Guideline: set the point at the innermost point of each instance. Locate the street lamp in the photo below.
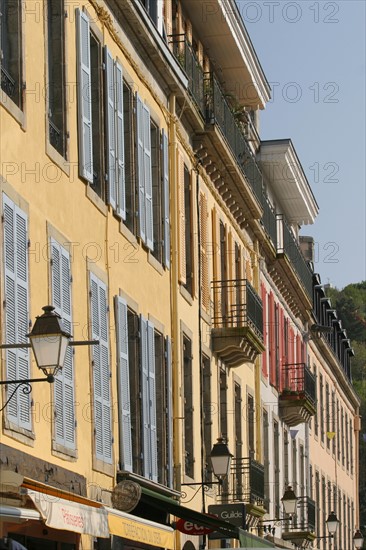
(332, 525)
(220, 460)
(49, 342)
(358, 539)
(289, 501)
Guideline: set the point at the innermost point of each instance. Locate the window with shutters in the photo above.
(321, 407)
(207, 415)
(266, 456)
(103, 437)
(276, 460)
(16, 311)
(131, 198)
(101, 93)
(238, 432)
(188, 407)
(163, 408)
(327, 414)
(144, 173)
(188, 233)
(64, 400)
(144, 394)
(157, 193)
(56, 75)
(11, 58)
(286, 479)
(205, 282)
(223, 404)
(294, 466)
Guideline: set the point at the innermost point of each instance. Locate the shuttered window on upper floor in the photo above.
(16, 288)
(11, 57)
(64, 391)
(101, 372)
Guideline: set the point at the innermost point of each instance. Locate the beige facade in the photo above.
(139, 201)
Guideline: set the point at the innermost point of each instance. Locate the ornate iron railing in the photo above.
(298, 379)
(245, 482)
(237, 304)
(7, 83)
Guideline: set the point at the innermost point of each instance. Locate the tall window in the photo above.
(223, 272)
(188, 230)
(223, 404)
(56, 75)
(188, 406)
(276, 458)
(316, 419)
(327, 413)
(16, 302)
(238, 438)
(101, 370)
(131, 198)
(207, 414)
(285, 458)
(11, 49)
(160, 195)
(317, 501)
(321, 405)
(294, 465)
(251, 426)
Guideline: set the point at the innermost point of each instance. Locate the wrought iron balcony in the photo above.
(245, 483)
(220, 112)
(237, 333)
(188, 60)
(7, 83)
(298, 397)
(302, 526)
(288, 246)
(269, 221)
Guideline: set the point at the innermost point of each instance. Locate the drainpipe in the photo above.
(174, 299)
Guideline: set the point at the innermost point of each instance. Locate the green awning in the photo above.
(247, 541)
(171, 506)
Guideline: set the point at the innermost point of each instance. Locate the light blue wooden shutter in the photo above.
(152, 398)
(145, 398)
(64, 382)
(111, 127)
(169, 399)
(84, 97)
(166, 204)
(101, 370)
(120, 174)
(141, 166)
(16, 307)
(148, 178)
(124, 404)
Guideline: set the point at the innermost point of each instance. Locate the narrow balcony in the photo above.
(302, 528)
(219, 112)
(298, 398)
(245, 484)
(269, 221)
(290, 271)
(189, 62)
(237, 334)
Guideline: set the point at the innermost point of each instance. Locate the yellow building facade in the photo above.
(138, 200)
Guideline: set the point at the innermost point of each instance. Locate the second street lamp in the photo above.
(220, 460)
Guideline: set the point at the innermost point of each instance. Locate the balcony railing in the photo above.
(237, 305)
(220, 112)
(188, 60)
(299, 380)
(287, 244)
(7, 83)
(302, 526)
(245, 482)
(269, 221)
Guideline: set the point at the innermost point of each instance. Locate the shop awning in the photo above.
(171, 506)
(15, 514)
(140, 530)
(249, 541)
(59, 513)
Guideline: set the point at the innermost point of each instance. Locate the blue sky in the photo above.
(313, 55)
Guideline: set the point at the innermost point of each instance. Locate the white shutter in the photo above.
(120, 174)
(124, 404)
(111, 129)
(145, 398)
(16, 307)
(166, 203)
(169, 383)
(140, 166)
(84, 97)
(148, 179)
(64, 383)
(152, 398)
(101, 370)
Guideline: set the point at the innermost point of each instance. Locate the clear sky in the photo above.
(313, 55)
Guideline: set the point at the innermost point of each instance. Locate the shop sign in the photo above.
(190, 528)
